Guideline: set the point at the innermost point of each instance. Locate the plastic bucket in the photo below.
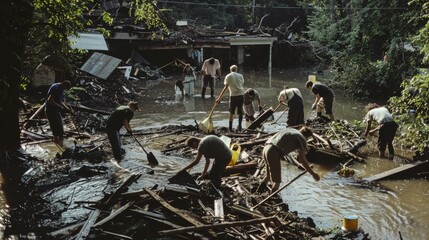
(350, 223)
(235, 149)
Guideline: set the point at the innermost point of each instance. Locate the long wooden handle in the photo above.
(278, 190)
(139, 143)
(211, 112)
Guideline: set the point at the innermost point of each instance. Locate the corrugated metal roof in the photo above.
(88, 41)
(100, 65)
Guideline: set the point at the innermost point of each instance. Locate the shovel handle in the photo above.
(139, 143)
(211, 112)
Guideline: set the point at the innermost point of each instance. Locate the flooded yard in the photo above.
(382, 212)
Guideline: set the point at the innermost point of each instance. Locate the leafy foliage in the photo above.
(411, 109)
(355, 34)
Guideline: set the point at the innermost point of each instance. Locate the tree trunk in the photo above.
(15, 20)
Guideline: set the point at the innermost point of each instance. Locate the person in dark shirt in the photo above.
(279, 145)
(324, 95)
(119, 118)
(211, 147)
(53, 107)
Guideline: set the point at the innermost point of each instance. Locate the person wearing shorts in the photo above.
(234, 82)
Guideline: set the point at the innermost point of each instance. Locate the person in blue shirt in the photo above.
(54, 106)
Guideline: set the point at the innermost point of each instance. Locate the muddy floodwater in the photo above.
(396, 206)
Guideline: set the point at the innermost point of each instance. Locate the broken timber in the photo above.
(403, 172)
(218, 225)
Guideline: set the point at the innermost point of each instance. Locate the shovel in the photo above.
(207, 124)
(150, 157)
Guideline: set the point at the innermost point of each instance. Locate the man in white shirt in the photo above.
(234, 82)
(386, 128)
(210, 70)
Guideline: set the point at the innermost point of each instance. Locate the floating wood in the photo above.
(403, 172)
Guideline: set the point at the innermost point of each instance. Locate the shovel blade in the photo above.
(206, 125)
(152, 159)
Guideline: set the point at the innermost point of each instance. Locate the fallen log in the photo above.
(216, 226)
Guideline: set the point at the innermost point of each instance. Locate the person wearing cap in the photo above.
(119, 118)
(291, 97)
(251, 95)
(53, 107)
(324, 95)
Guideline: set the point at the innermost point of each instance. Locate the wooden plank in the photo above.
(174, 210)
(63, 232)
(403, 172)
(114, 214)
(83, 234)
(217, 226)
(261, 119)
(121, 188)
(116, 235)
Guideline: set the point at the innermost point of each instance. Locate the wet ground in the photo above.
(399, 206)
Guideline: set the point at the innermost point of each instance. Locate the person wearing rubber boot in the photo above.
(279, 145)
(210, 70)
(234, 82)
(119, 118)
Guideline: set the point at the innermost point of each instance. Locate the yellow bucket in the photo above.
(350, 223)
(312, 78)
(235, 149)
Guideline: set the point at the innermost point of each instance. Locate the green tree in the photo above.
(411, 108)
(355, 34)
(43, 26)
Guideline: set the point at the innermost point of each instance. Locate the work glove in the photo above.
(313, 107)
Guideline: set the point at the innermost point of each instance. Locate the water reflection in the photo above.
(382, 212)
(395, 206)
